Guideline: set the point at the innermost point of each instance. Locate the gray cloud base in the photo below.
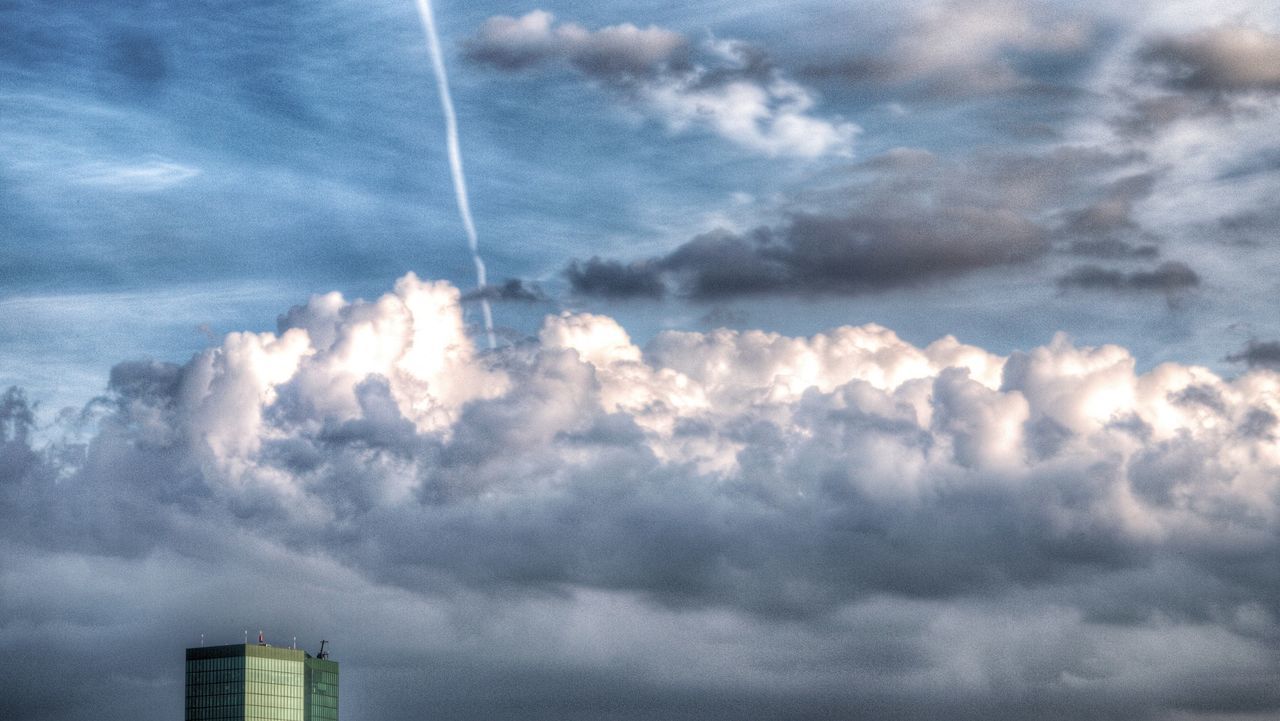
(906, 218)
(1219, 60)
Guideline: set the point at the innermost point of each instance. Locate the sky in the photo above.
(855, 359)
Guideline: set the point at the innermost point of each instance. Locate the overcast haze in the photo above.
(856, 360)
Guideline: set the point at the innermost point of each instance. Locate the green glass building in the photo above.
(247, 682)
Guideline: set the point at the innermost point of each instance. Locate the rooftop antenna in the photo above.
(323, 654)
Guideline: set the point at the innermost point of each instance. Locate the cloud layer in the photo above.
(1222, 59)
(908, 217)
(1033, 530)
(956, 49)
(733, 91)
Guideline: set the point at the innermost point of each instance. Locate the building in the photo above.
(248, 682)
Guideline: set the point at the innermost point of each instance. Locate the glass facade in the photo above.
(322, 690)
(259, 683)
(215, 689)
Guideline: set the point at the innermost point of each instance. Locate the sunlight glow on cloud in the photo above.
(736, 92)
(395, 387)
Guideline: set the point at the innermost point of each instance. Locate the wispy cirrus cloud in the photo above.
(145, 176)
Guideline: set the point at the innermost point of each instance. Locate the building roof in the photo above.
(252, 649)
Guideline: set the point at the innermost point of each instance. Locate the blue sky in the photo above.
(253, 155)
(1083, 194)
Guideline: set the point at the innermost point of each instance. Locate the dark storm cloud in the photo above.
(149, 381)
(818, 255)
(1169, 277)
(512, 289)
(1259, 354)
(815, 254)
(909, 217)
(615, 279)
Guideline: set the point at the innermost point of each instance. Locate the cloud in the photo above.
(900, 525)
(148, 176)
(733, 90)
(1258, 354)
(612, 53)
(971, 42)
(1108, 247)
(614, 279)
(1106, 227)
(961, 48)
(1226, 59)
(1112, 248)
(513, 289)
(859, 252)
(1169, 277)
(1215, 73)
(822, 254)
(902, 218)
(1113, 213)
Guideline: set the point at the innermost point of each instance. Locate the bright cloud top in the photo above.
(981, 412)
(736, 93)
(1072, 441)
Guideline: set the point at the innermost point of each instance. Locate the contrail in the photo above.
(455, 159)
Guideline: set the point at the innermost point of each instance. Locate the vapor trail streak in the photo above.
(455, 159)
